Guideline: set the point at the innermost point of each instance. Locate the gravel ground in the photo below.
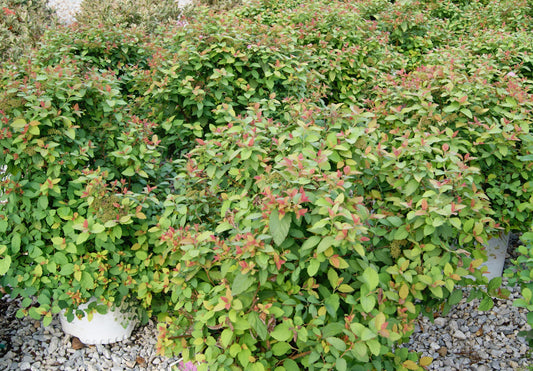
(30, 346)
(465, 339)
(468, 339)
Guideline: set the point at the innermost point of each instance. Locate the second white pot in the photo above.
(115, 325)
(496, 252)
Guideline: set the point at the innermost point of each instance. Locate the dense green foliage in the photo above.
(285, 185)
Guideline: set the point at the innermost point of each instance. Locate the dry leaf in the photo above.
(141, 361)
(77, 344)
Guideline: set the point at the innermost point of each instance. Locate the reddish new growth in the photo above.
(291, 202)
(8, 11)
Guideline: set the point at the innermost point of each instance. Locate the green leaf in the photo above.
(18, 124)
(43, 202)
(35, 313)
(290, 365)
(401, 233)
(97, 228)
(332, 305)
(67, 269)
(428, 230)
(527, 294)
(437, 222)
(141, 255)
(225, 338)
(280, 348)
(374, 345)
(47, 320)
(437, 291)
(367, 334)
(468, 225)
(451, 108)
(303, 334)
(332, 329)
(344, 288)
(466, 112)
(337, 343)
(395, 221)
(258, 325)
(368, 303)
(129, 171)
(411, 187)
(282, 332)
(325, 244)
(313, 266)
(311, 242)
(370, 278)
(87, 281)
(279, 228)
(360, 351)
(341, 365)
(82, 237)
(333, 278)
(494, 283)
(5, 263)
(15, 242)
(425, 279)
(244, 357)
(241, 283)
(486, 304)
(456, 222)
(222, 227)
(455, 297)
(234, 349)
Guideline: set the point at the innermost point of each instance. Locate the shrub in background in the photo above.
(485, 108)
(215, 64)
(113, 49)
(22, 23)
(147, 15)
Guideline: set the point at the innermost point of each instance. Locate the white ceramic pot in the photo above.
(496, 252)
(107, 328)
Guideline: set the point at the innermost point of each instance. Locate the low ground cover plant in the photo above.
(285, 185)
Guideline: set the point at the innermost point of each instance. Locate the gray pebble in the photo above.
(117, 361)
(130, 364)
(54, 344)
(453, 326)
